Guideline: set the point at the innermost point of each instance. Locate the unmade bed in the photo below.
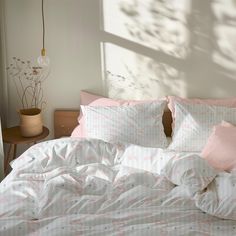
(89, 186)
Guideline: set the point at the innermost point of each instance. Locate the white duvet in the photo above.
(89, 187)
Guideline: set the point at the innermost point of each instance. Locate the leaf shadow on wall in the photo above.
(161, 48)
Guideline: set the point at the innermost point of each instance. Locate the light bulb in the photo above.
(43, 60)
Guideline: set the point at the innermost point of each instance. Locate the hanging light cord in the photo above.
(43, 24)
(43, 60)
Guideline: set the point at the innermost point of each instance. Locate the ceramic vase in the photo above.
(31, 123)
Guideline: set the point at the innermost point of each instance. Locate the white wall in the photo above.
(71, 43)
(181, 47)
(73, 39)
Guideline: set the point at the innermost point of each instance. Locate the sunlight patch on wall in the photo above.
(225, 32)
(133, 76)
(158, 24)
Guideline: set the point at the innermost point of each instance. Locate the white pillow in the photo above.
(139, 124)
(194, 123)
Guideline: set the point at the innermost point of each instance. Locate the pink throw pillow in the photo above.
(227, 102)
(96, 100)
(220, 149)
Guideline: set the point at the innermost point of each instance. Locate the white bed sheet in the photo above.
(89, 187)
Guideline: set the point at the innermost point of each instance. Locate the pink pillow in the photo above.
(227, 102)
(96, 100)
(220, 149)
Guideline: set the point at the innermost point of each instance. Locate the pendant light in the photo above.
(43, 59)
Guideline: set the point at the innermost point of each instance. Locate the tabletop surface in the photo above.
(12, 135)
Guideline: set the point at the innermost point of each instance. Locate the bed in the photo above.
(88, 186)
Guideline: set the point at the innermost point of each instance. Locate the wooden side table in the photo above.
(13, 137)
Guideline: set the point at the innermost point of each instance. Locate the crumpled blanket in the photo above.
(90, 187)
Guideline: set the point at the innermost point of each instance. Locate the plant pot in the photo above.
(31, 122)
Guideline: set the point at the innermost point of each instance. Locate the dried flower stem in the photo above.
(28, 80)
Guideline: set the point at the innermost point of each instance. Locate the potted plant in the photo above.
(28, 81)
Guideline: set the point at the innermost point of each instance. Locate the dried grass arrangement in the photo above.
(28, 81)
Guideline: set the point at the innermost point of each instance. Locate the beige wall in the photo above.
(73, 45)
